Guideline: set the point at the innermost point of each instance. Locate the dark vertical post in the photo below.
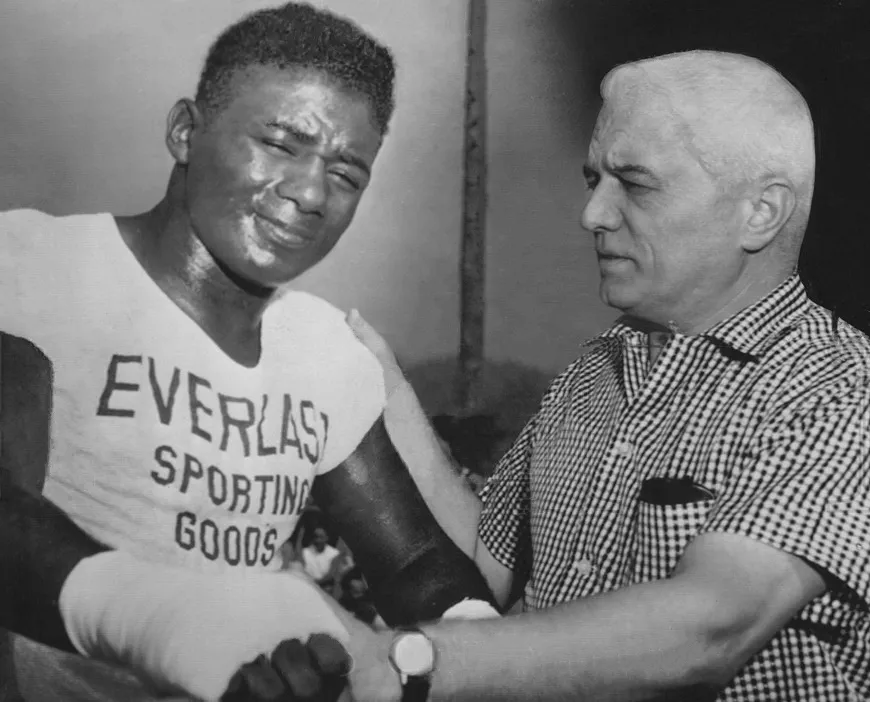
(472, 256)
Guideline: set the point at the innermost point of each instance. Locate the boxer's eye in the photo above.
(279, 146)
(347, 180)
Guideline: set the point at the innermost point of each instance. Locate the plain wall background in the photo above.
(542, 274)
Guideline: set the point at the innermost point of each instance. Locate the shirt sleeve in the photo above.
(805, 486)
(356, 388)
(504, 521)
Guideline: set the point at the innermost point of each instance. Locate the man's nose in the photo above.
(305, 184)
(602, 209)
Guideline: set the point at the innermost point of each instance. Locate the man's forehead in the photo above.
(306, 101)
(628, 132)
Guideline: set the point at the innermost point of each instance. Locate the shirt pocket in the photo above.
(662, 533)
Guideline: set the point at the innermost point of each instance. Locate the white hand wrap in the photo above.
(184, 631)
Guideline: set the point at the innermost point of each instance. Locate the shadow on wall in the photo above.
(509, 394)
(822, 47)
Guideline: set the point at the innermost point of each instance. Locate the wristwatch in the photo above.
(412, 655)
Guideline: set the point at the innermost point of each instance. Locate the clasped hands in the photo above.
(321, 668)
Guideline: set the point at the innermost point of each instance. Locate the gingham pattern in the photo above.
(770, 410)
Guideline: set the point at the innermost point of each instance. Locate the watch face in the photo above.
(413, 654)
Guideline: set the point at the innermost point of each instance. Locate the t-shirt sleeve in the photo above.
(354, 385)
(33, 269)
(805, 485)
(13, 256)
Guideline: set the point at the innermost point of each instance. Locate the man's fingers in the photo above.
(294, 663)
(329, 656)
(366, 333)
(333, 662)
(256, 681)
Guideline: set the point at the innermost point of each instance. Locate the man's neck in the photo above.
(174, 257)
(742, 295)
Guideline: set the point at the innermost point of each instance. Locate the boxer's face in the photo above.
(666, 233)
(273, 179)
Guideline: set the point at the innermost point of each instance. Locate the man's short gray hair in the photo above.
(738, 116)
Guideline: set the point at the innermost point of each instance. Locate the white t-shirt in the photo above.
(318, 565)
(161, 445)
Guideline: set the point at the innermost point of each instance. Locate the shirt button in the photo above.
(582, 566)
(623, 449)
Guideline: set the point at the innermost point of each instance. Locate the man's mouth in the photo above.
(607, 261)
(287, 236)
(606, 256)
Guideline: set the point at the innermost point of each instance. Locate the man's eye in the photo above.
(279, 146)
(346, 180)
(631, 186)
(591, 183)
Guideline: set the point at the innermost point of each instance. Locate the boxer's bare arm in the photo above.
(414, 569)
(39, 544)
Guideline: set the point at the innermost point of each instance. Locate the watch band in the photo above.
(416, 688)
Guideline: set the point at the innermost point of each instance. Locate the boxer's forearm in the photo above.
(414, 569)
(39, 547)
(447, 494)
(638, 643)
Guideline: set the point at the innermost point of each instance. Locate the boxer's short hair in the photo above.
(297, 35)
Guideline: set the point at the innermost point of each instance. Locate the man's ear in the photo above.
(769, 210)
(183, 120)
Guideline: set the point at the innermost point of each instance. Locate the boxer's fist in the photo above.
(312, 672)
(362, 661)
(188, 632)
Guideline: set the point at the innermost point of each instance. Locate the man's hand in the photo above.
(314, 672)
(372, 678)
(374, 342)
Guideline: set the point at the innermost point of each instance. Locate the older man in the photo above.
(694, 490)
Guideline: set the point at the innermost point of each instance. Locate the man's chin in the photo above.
(620, 295)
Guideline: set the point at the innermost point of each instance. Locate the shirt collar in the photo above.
(751, 331)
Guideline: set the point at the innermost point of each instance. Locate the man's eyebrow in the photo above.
(309, 139)
(298, 134)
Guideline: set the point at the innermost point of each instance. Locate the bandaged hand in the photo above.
(188, 632)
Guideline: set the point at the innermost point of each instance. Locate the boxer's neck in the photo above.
(176, 260)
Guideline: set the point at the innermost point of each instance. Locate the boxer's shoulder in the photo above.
(315, 324)
(24, 230)
(309, 309)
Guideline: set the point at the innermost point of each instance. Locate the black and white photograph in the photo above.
(449, 350)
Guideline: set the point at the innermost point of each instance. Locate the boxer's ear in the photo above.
(183, 121)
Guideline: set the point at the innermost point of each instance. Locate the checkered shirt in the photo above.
(769, 410)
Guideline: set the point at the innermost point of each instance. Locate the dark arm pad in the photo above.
(414, 570)
(39, 547)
